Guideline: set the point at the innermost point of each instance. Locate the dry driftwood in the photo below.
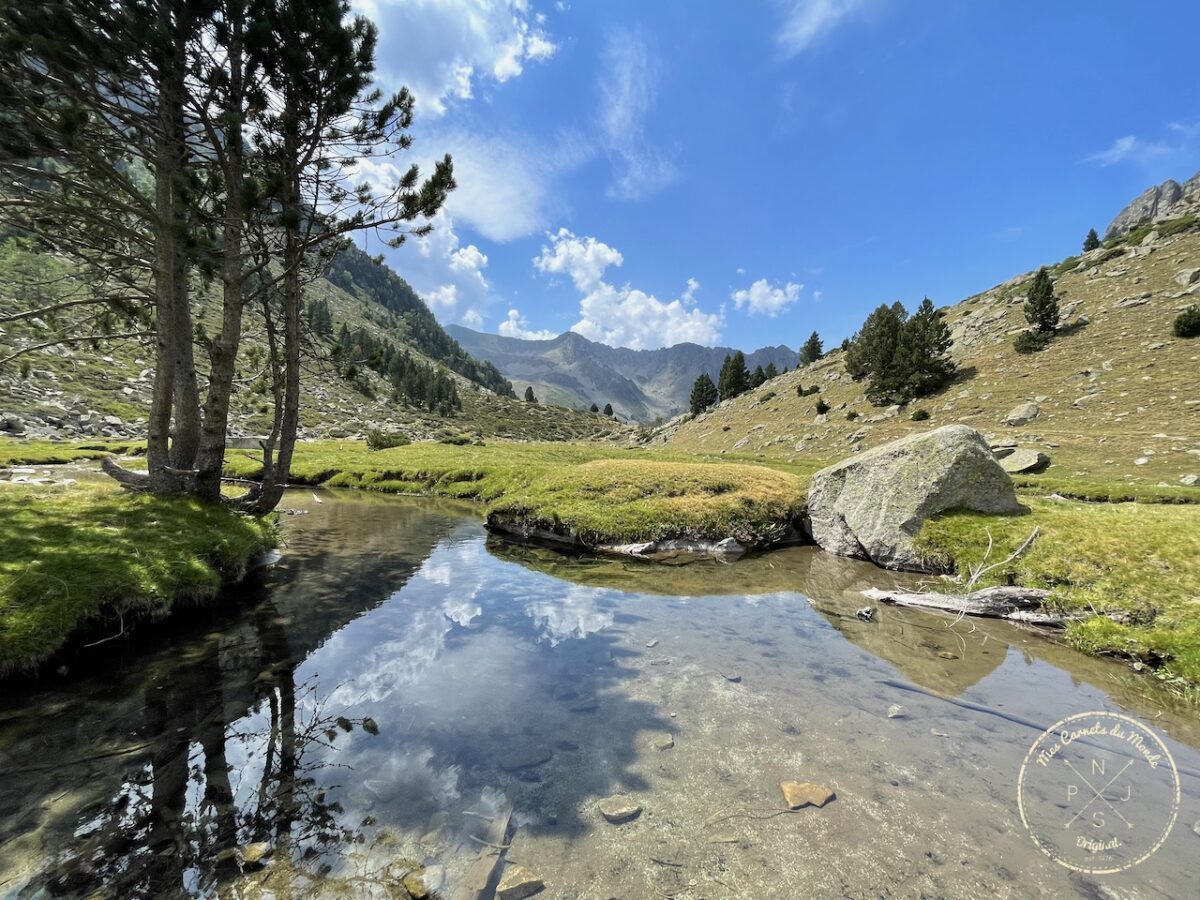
(474, 886)
(1016, 603)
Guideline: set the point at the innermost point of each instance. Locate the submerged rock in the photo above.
(798, 794)
(254, 854)
(872, 505)
(518, 883)
(618, 809)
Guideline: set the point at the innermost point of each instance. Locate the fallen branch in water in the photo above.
(1015, 603)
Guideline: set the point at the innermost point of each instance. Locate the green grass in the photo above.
(1103, 491)
(50, 453)
(1165, 229)
(92, 557)
(484, 471)
(615, 501)
(1140, 562)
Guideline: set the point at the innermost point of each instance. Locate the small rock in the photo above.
(866, 613)
(517, 884)
(799, 794)
(732, 676)
(422, 883)
(652, 643)
(618, 809)
(895, 711)
(1022, 415)
(1189, 480)
(253, 854)
(946, 654)
(1021, 460)
(1187, 276)
(664, 742)
(1140, 461)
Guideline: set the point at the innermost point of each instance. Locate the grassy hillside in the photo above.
(103, 390)
(1117, 390)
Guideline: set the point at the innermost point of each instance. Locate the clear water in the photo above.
(367, 705)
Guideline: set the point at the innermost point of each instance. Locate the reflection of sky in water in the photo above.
(392, 652)
(470, 663)
(452, 667)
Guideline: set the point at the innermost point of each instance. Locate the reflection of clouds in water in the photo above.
(419, 616)
(574, 616)
(395, 648)
(405, 776)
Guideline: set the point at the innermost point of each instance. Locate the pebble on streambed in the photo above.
(617, 809)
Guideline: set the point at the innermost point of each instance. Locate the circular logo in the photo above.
(1098, 792)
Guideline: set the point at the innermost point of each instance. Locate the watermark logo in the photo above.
(1098, 792)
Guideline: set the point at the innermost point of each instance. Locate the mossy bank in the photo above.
(90, 559)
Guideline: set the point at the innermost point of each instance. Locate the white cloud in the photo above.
(1120, 150)
(623, 316)
(805, 21)
(448, 275)
(763, 297)
(584, 259)
(1178, 145)
(517, 326)
(441, 48)
(505, 184)
(629, 78)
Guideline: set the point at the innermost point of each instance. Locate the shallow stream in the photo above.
(372, 704)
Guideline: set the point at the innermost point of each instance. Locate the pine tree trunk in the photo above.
(224, 348)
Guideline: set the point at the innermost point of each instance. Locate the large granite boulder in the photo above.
(872, 505)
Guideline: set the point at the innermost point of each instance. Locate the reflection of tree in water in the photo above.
(175, 826)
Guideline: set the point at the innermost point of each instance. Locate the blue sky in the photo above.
(743, 173)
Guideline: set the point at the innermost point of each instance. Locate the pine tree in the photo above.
(1092, 241)
(1041, 306)
(608, 410)
(529, 395)
(921, 364)
(704, 394)
(771, 371)
(758, 377)
(734, 378)
(594, 408)
(812, 349)
(873, 346)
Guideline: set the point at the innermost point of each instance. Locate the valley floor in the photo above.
(1128, 569)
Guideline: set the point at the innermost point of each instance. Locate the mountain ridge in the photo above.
(573, 370)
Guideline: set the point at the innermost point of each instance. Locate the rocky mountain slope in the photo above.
(1164, 201)
(640, 384)
(1116, 394)
(104, 390)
